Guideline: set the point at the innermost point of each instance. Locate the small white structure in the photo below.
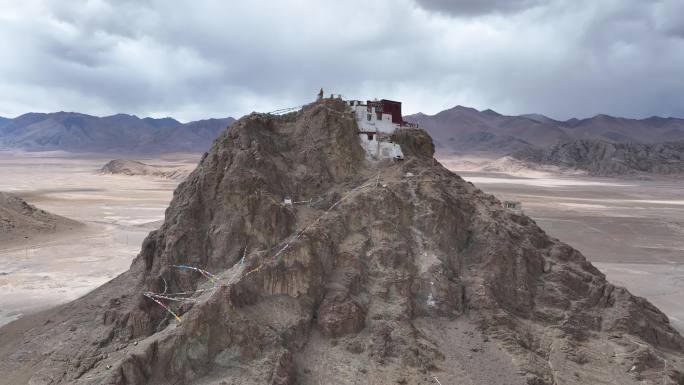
(379, 146)
(513, 205)
(377, 121)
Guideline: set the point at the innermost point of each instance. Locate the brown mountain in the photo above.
(125, 134)
(379, 273)
(466, 130)
(621, 130)
(604, 158)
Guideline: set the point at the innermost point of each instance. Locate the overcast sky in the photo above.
(202, 58)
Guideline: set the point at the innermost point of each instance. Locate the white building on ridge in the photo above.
(377, 121)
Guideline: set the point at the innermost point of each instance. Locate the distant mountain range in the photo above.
(462, 130)
(601, 145)
(121, 133)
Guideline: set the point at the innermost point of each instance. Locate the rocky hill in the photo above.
(123, 134)
(133, 167)
(377, 273)
(20, 220)
(610, 159)
(463, 130)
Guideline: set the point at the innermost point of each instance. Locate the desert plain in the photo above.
(117, 212)
(631, 229)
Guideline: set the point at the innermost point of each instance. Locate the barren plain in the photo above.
(118, 212)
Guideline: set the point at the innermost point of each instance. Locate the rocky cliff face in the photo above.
(611, 159)
(379, 273)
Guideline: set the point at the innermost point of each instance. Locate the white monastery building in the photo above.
(377, 121)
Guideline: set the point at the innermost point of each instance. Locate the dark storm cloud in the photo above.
(477, 7)
(210, 58)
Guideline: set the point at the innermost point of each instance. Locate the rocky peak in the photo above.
(290, 259)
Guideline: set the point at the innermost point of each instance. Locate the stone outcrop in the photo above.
(380, 273)
(134, 168)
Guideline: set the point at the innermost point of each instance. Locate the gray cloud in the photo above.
(207, 58)
(477, 7)
(669, 17)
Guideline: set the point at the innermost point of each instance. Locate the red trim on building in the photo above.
(393, 108)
